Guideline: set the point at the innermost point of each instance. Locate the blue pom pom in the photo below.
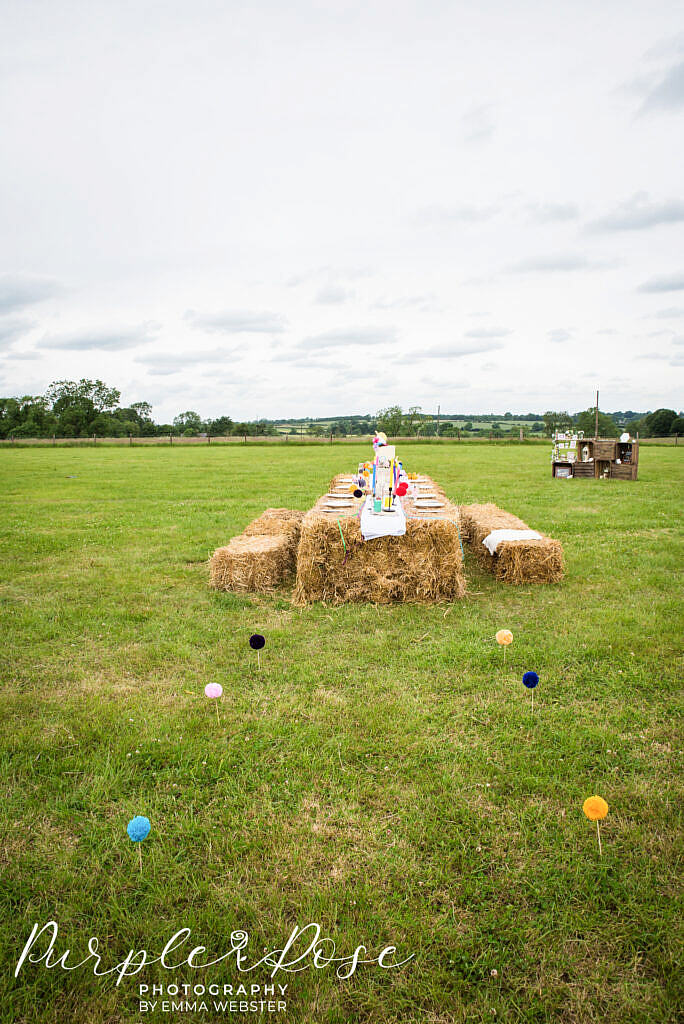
(138, 828)
(257, 641)
(530, 679)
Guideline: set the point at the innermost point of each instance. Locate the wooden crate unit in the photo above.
(596, 458)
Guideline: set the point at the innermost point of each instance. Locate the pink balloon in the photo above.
(213, 690)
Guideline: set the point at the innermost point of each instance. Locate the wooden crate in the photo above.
(604, 449)
(584, 469)
(624, 471)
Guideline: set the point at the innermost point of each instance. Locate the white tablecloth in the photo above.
(382, 524)
(497, 536)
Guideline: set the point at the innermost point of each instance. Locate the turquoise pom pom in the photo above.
(138, 828)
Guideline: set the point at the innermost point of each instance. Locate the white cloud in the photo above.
(663, 283)
(343, 336)
(668, 94)
(332, 295)
(237, 322)
(640, 213)
(17, 291)
(102, 339)
(558, 335)
(12, 328)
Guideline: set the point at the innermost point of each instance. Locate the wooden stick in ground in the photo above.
(140, 856)
(598, 833)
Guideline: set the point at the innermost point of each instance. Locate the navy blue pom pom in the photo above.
(257, 641)
(530, 679)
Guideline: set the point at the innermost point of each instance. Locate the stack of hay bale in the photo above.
(515, 561)
(336, 565)
(262, 557)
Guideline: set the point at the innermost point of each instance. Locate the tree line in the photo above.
(660, 423)
(85, 408)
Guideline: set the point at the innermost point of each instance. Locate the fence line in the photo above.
(306, 439)
(267, 439)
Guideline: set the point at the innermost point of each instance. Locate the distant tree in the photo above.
(220, 427)
(142, 409)
(412, 421)
(586, 421)
(77, 405)
(659, 423)
(86, 394)
(677, 425)
(390, 420)
(188, 421)
(554, 421)
(29, 416)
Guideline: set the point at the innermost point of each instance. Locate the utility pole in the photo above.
(596, 420)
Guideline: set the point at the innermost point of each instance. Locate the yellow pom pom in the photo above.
(595, 808)
(504, 637)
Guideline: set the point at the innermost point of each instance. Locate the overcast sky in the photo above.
(268, 209)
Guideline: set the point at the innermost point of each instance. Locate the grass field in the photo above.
(382, 775)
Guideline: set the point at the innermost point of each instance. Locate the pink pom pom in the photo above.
(213, 690)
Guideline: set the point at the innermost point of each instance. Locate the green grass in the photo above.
(382, 775)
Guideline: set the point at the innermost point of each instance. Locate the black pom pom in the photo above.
(257, 641)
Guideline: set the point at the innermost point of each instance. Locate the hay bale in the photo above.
(424, 565)
(285, 522)
(519, 561)
(258, 563)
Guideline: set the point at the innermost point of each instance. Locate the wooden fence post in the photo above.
(330, 437)
(208, 438)
(244, 439)
(130, 440)
(170, 438)
(94, 439)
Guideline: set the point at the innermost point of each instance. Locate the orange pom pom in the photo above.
(595, 808)
(504, 637)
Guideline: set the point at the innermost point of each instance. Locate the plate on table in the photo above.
(428, 503)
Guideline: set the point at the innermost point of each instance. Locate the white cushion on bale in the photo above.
(496, 537)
